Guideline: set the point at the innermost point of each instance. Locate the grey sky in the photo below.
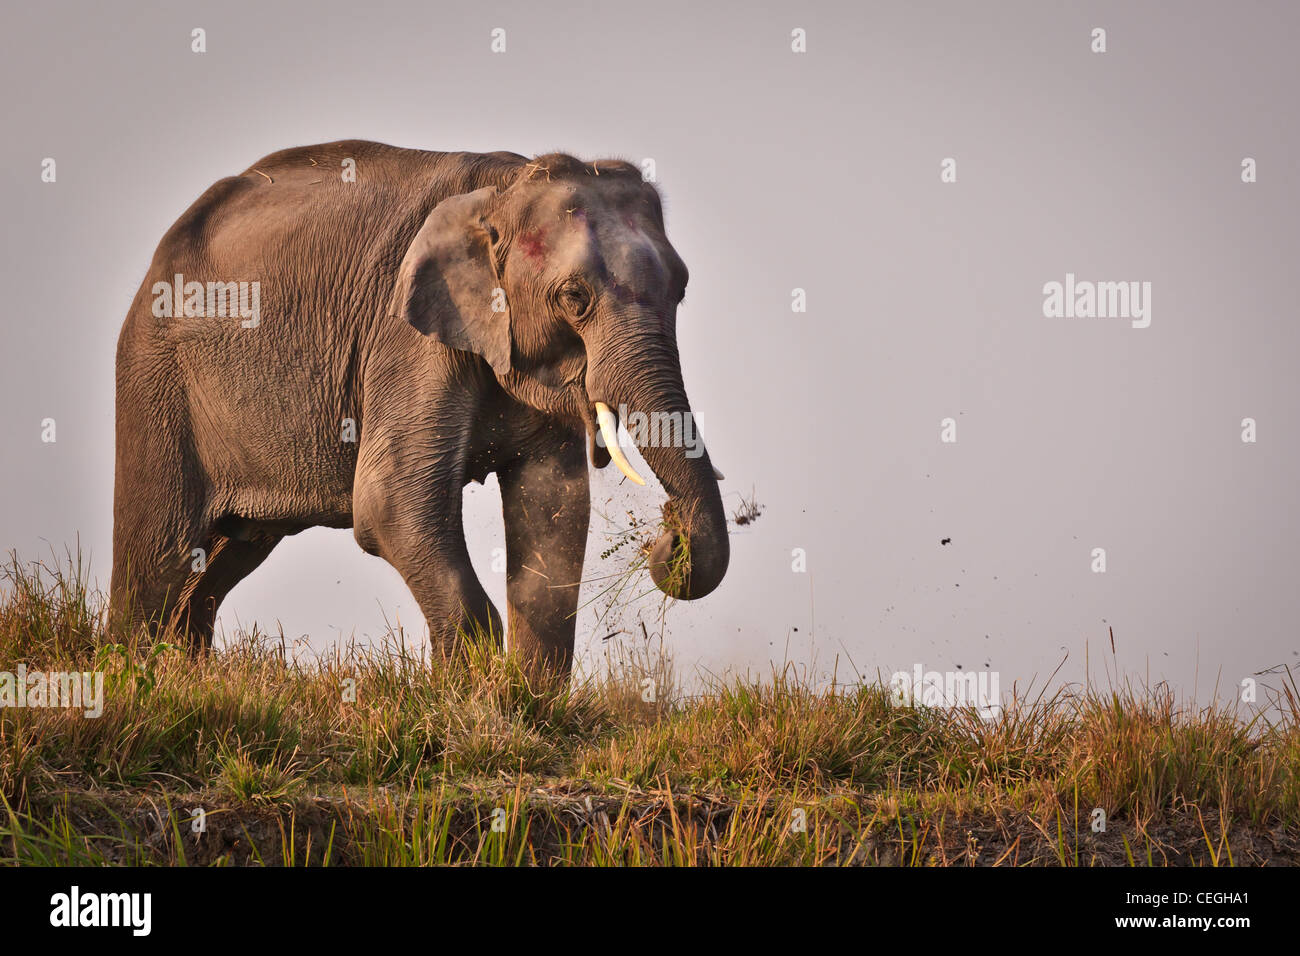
(818, 171)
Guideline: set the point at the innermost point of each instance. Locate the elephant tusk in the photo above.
(718, 475)
(609, 431)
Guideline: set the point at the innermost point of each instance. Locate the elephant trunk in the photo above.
(643, 387)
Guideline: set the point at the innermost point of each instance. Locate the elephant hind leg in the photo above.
(154, 556)
(229, 561)
(160, 494)
(170, 578)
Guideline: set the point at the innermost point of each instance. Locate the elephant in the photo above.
(345, 335)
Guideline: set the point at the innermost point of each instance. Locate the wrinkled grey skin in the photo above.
(376, 306)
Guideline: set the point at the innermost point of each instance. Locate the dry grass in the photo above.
(381, 756)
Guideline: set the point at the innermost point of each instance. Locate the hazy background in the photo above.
(779, 170)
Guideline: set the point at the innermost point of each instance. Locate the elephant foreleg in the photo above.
(424, 539)
(546, 507)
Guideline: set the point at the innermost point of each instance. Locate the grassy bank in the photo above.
(382, 757)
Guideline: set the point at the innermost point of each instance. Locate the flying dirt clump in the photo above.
(748, 512)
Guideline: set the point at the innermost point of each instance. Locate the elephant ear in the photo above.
(447, 286)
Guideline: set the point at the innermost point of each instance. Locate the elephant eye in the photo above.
(575, 297)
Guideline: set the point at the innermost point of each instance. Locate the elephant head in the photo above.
(565, 283)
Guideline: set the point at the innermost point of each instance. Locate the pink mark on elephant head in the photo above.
(533, 245)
